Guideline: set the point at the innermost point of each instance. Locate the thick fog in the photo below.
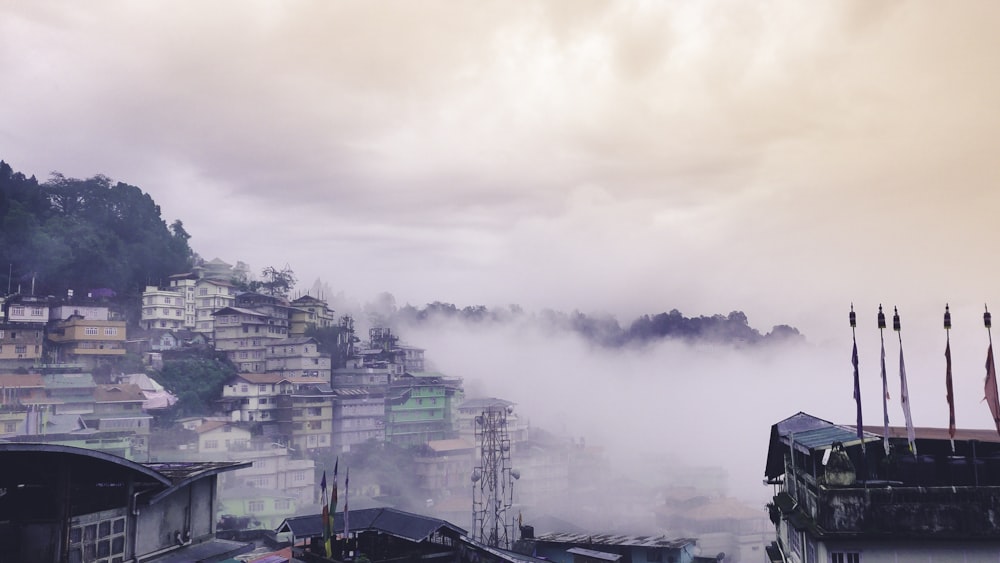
(707, 405)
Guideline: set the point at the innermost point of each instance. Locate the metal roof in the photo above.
(615, 539)
(594, 554)
(406, 525)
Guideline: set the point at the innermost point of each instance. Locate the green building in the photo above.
(420, 408)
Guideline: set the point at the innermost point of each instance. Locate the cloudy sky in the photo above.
(781, 158)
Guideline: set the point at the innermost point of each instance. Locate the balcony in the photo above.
(938, 512)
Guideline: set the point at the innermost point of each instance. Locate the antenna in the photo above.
(493, 480)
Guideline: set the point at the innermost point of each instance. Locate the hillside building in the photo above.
(840, 498)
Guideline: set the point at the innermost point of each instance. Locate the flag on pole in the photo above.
(326, 515)
(885, 382)
(347, 524)
(991, 388)
(951, 393)
(904, 397)
(885, 403)
(333, 495)
(904, 391)
(857, 389)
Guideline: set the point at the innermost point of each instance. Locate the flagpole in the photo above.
(857, 396)
(991, 397)
(904, 390)
(947, 380)
(885, 383)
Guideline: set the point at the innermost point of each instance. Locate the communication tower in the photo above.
(493, 480)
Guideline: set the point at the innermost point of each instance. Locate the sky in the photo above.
(786, 159)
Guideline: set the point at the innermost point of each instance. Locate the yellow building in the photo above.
(87, 341)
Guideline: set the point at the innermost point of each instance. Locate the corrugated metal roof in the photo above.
(594, 554)
(406, 525)
(615, 539)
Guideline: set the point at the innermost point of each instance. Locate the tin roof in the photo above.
(406, 525)
(615, 539)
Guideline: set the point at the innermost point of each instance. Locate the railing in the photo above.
(970, 512)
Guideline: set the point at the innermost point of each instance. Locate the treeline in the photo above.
(84, 235)
(604, 330)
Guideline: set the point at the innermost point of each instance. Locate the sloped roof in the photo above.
(486, 402)
(69, 381)
(21, 380)
(118, 393)
(405, 525)
(210, 425)
(615, 539)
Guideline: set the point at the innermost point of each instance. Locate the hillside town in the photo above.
(77, 371)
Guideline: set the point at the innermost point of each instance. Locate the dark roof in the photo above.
(406, 525)
(809, 433)
(482, 403)
(615, 539)
(926, 433)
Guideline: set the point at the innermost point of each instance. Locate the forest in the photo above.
(92, 236)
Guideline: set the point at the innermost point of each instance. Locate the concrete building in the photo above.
(309, 312)
(420, 408)
(65, 504)
(87, 342)
(840, 498)
(163, 308)
(22, 331)
(118, 408)
(297, 357)
(210, 295)
(358, 416)
(21, 345)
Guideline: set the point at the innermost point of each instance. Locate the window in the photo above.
(20, 349)
(10, 427)
(255, 506)
(244, 388)
(90, 331)
(262, 388)
(17, 310)
(845, 557)
(211, 444)
(36, 311)
(110, 331)
(166, 300)
(203, 291)
(282, 504)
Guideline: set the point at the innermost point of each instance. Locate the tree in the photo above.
(277, 282)
(196, 381)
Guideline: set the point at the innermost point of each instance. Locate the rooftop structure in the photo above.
(838, 495)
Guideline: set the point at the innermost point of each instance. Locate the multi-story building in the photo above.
(419, 408)
(73, 391)
(309, 312)
(118, 408)
(21, 345)
(297, 357)
(443, 468)
(297, 412)
(164, 308)
(216, 436)
(22, 331)
(360, 410)
(28, 309)
(89, 342)
(210, 295)
(840, 498)
(246, 330)
(358, 416)
(305, 416)
(253, 397)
